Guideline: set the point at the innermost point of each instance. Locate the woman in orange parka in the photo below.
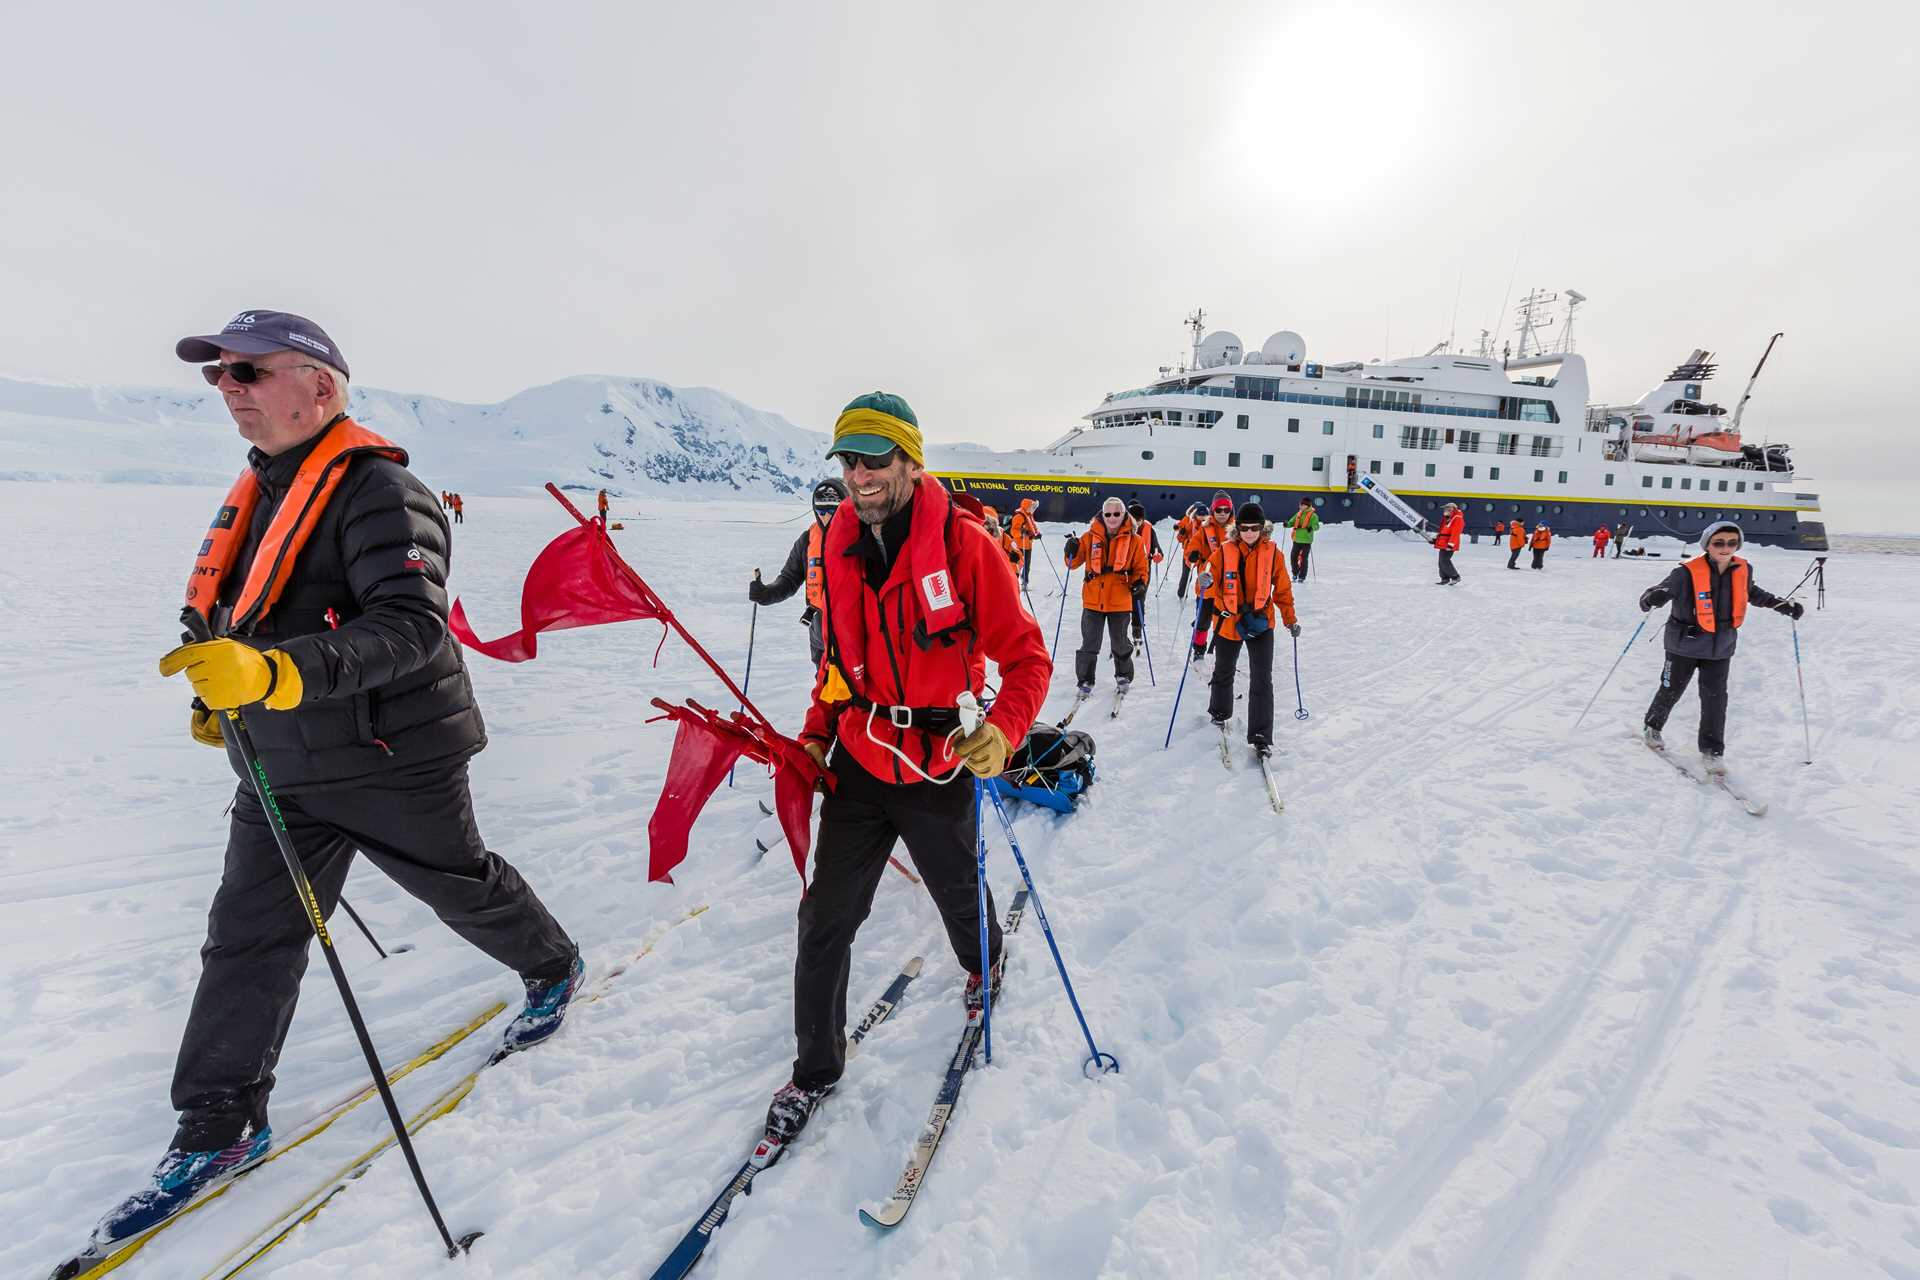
(1024, 529)
(1516, 542)
(1245, 579)
(1114, 550)
(1542, 539)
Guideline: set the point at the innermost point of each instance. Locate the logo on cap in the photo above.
(305, 341)
(245, 320)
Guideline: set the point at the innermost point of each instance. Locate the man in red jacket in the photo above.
(917, 598)
(1447, 541)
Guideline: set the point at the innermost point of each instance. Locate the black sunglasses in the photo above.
(849, 460)
(1722, 542)
(245, 372)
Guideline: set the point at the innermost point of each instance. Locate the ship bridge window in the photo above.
(1173, 416)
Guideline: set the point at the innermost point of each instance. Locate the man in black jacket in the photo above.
(1710, 594)
(323, 579)
(803, 566)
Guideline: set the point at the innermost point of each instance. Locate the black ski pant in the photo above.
(1026, 565)
(1674, 678)
(418, 827)
(860, 820)
(1539, 557)
(1513, 561)
(1301, 550)
(1092, 624)
(1226, 655)
(1186, 571)
(1447, 572)
(1203, 624)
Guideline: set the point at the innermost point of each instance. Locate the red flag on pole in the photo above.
(575, 582)
(705, 746)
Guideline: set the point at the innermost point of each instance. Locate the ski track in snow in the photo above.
(1489, 1000)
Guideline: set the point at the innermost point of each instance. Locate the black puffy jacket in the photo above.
(388, 689)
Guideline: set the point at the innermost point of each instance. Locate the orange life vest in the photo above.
(1542, 539)
(1236, 567)
(816, 573)
(293, 523)
(1701, 570)
(1022, 526)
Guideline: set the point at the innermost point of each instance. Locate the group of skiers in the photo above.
(318, 604)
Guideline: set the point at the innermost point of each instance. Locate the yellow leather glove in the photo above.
(226, 673)
(984, 751)
(205, 727)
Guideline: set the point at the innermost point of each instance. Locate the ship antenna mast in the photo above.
(1530, 321)
(1574, 299)
(1198, 323)
(1742, 406)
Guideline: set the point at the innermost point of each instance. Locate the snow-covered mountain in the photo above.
(632, 435)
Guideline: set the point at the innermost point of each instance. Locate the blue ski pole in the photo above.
(1806, 727)
(1610, 670)
(746, 681)
(1301, 713)
(1185, 666)
(1098, 1063)
(986, 963)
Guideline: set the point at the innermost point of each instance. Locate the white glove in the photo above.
(1203, 579)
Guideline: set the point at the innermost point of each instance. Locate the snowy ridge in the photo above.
(1487, 1002)
(631, 435)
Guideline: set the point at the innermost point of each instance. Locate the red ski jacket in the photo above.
(948, 604)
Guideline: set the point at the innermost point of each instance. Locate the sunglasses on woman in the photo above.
(1725, 542)
(245, 372)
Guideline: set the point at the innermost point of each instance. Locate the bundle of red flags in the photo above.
(579, 580)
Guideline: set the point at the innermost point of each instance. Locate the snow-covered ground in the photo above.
(1489, 1000)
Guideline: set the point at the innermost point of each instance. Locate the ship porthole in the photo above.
(1346, 502)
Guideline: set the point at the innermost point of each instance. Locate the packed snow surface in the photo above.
(1490, 999)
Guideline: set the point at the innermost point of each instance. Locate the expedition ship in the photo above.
(1507, 437)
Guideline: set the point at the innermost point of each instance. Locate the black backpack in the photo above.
(1052, 766)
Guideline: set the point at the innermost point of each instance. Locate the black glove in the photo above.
(757, 590)
(1013, 557)
(1792, 608)
(1652, 598)
(1293, 629)
(1073, 546)
(1194, 557)
(1139, 591)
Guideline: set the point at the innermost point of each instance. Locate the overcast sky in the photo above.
(999, 211)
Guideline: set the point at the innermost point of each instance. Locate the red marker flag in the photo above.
(577, 581)
(705, 746)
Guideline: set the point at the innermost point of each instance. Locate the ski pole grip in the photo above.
(196, 625)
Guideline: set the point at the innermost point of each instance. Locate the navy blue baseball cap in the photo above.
(259, 333)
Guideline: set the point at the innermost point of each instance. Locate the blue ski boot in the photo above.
(177, 1180)
(546, 1009)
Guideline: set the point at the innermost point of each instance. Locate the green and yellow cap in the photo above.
(876, 424)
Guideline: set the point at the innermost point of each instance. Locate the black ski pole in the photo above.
(235, 731)
(753, 626)
(355, 916)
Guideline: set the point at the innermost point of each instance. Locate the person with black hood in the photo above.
(804, 565)
(1138, 511)
(1246, 578)
(321, 586)
(1710, 594)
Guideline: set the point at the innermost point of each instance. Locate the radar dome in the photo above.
(1219, 347)
(1285, 347)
